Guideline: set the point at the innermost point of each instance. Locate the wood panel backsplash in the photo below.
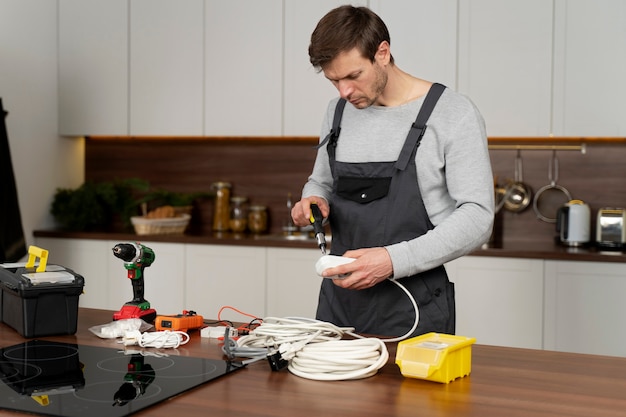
(266, 169)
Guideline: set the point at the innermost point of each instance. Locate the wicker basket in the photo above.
(166, 226)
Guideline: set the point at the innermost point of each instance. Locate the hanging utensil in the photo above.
(502, 194)
(520, 195)
(551, 197)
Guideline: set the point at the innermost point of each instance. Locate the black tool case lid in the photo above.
(28, 283)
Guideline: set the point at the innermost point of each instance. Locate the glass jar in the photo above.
(238, 214)
(257, 219)
(221, 214)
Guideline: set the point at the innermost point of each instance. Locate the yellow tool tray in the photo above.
(435, 357)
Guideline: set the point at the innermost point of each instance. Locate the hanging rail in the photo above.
(563, 143)
(582, 147)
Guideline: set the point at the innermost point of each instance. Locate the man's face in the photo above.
(358, 80)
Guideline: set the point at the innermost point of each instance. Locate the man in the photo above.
(400, 203)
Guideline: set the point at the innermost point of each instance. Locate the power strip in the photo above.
(218, 332)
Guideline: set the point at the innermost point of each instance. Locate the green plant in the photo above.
(93, 205)
(159, 197)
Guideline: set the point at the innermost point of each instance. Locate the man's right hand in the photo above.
(301, 211)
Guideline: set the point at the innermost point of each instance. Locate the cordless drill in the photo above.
(136, 258)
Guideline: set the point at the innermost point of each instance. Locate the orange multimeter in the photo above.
(189, 320)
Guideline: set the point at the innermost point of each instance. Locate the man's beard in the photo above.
(380, 82)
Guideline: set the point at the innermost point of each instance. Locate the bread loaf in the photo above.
(162, 212)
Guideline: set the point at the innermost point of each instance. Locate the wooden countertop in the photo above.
(532, 250)
(504, 382)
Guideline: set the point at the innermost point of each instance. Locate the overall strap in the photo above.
(333, 135)
(419, 126)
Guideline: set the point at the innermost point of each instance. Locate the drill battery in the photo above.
(189, 320)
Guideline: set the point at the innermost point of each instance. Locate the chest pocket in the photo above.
(361, 189)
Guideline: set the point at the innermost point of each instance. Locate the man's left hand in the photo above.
(372, 265)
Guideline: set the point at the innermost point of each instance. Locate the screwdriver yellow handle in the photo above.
(317, 221)
(316, 218)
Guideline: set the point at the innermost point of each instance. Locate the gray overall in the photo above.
(375, 204)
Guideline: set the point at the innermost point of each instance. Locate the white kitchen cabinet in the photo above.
(585, 310)
(86, 257)
(93, 67)
(243, 67)
(204, 67)
(589, 68)
(499, 301)
(131, 68)
(505, 63)
(225, 276)
(166, 67)
(423, 37)
(306, 93)
(292, 283)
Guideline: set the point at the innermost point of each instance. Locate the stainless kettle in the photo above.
(573, 223)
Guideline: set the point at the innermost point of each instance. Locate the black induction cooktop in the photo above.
(63, 379)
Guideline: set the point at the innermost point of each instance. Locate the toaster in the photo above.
(610, 228)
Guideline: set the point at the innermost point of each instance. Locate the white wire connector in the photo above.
(289, 350)
(163, 339)
(218, 332)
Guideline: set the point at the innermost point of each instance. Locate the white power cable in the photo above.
(314, 349)
(162, 339)
(340, 359)
(415, 308)
(276, 331)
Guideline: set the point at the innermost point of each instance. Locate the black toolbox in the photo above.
(40, 303)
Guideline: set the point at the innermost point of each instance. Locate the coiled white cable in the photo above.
(314, 348)
(163, 339)
(275, 331)
(340, 359)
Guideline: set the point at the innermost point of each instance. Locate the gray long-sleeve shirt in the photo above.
(453, 170)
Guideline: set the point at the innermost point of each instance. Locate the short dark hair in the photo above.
(343, 29)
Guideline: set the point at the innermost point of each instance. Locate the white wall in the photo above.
(42, 161)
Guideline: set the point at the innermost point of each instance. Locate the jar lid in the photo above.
(221, 184)
(238, 199)
(258, 208)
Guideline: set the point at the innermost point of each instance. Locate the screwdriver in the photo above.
(316, 221)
